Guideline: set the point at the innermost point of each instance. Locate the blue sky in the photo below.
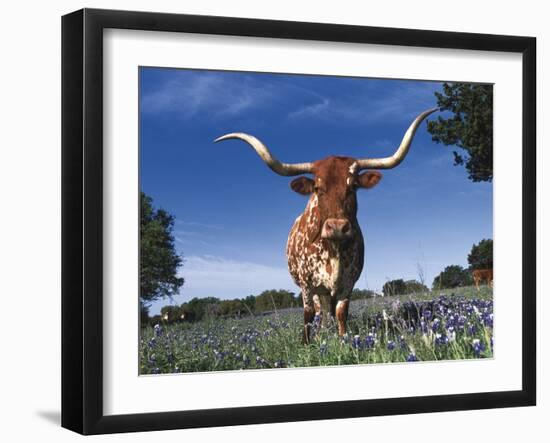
(233, 214)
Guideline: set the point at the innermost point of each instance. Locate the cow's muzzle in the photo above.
(336, 229)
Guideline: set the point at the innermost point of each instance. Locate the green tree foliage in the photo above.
(275, 299)
(401, 287)
(451, 277)
(223, 308)
(159, 261)
(394, 287)
(362, 294)
(250, 303)
(469, 128)
(200, 308)
(143, 313)
(415, 287)
(171, 313)
(481, 256)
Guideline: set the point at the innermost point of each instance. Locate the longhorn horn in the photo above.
(286, 169)
(399, 155)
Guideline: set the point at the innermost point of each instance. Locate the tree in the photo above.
(250, 303)
(199, 308)
(143, 314)
(171, 314)
(159, 261)
(481, 256)
(274, 299)
(361, 294)
(394, 287)
(451, 277)
(414, 286)
(470, 128)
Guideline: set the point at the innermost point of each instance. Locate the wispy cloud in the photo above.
(190, 93)
(403, 102)
(192, 233)
(193, 92)
(311, 110)
(198, 224)
(209, 275)
(189, 238)
(384, 143)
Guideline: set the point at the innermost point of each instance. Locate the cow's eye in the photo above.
(349, 204)
(318, 189)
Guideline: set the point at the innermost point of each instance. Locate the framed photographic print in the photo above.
(269, 221)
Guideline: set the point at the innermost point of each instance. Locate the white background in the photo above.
(30, 221)
(125, 392)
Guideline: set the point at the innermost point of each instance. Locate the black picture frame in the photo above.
(82, 217)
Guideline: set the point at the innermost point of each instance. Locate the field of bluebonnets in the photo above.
(448, 325)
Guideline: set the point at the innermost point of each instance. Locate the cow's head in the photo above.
(335, 180)
(333, 198)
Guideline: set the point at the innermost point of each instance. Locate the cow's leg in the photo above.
(309, 315)
(317, 305)
(342, 315)
(333, 301)
(325, 300)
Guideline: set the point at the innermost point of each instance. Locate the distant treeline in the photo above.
(198, 309)
(401, 287)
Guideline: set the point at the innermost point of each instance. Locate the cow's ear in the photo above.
(369, 179)
(302, 185)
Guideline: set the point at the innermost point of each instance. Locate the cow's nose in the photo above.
(336, 229)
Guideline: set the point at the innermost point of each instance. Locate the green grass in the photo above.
(380, 330)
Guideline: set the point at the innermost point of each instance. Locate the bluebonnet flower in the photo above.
(412, 357)
(356, 342)
(155, 371)
(427, 314)
(158, 330)
(435, 324)
(478, 347)
(423, 327)
(370, 340)
(391, 345)
(441, 340)
(317, 320)
(487, 319)
(461, 321)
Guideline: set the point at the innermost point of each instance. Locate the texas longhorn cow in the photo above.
(325, 247)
